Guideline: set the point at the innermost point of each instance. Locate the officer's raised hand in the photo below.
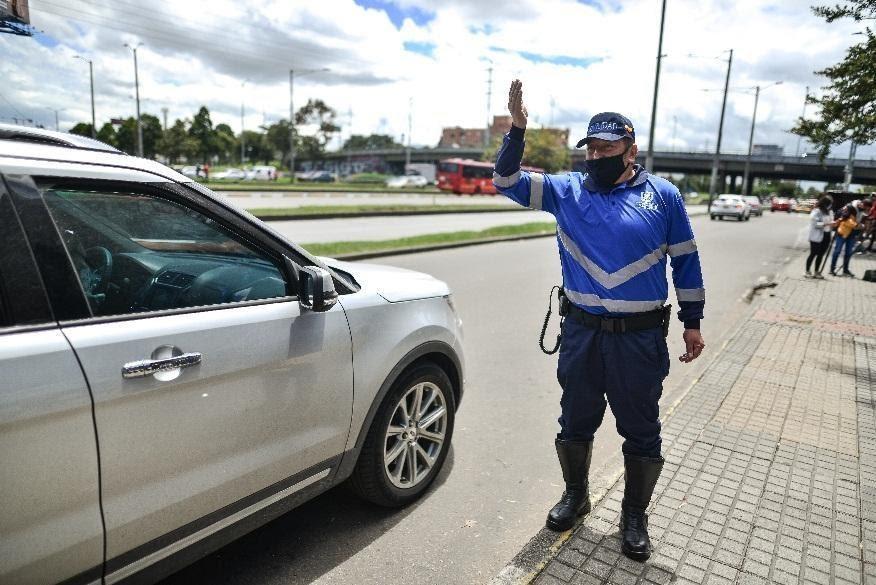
(693, 345)
(515, 104)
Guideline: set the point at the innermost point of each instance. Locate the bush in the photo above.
(367, 178)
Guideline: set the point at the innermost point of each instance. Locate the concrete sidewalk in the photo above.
(770, 473)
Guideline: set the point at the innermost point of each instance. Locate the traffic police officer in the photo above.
(616, 224)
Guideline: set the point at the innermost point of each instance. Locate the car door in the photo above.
(50, 524)
(259, 406)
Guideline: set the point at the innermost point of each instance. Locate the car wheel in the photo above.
(712, 217)
(747, 217)
(739, 218)
(408, 440)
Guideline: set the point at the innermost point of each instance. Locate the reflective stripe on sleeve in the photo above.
(682, 248)
(690, 294)
(536, 190)
(505, 182)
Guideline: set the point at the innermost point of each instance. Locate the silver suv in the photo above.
(176, 373)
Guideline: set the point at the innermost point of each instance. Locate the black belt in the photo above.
(638, 322)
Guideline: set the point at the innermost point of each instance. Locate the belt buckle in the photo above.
(613, 325)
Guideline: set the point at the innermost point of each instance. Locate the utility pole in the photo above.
(850, 166)
(803, 115)
(747, 172)
(489, 103)
(137, 93)
(408, 149)
(242, 139)
(91, 78)
(164, 114)
(649, 159)
(713, 181)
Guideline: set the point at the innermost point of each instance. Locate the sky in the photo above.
(380, 62)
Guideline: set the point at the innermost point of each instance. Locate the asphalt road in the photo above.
(256, 199)
(502, 474)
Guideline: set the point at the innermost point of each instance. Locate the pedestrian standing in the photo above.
(847, 231)
(616, 224)
(820, 221)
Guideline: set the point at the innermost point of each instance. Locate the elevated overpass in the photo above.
(731, 166)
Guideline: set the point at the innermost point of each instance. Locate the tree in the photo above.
(277, 138)
(315, 113)
(152, 133)
(848, 106)
(176, 143)
(202, 131)
(81, 129)
(543, 150)
(370, 142)
(126, 136)
(225, 142)
(107, 134)
(256, 147)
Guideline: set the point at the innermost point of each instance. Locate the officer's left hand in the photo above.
(693, 343)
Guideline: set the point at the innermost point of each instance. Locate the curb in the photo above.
(295, 217)
(546, 544)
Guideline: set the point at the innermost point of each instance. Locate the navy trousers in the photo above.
(626, 368)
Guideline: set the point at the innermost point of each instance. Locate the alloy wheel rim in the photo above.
(415, 435)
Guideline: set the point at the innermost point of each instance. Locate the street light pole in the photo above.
(746, 173)
(137, 93)
(91, 78)
(649, 159)
(803, 115)
(713, 181)
(408, 149)
(242, 139)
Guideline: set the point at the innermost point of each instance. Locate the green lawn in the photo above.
(338, 248)
(268, 212)
(284, 185)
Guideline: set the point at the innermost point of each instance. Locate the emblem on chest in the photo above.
(647, 201)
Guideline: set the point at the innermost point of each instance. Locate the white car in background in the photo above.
(227, 374)
(730, 205)
(406, 181)
(261, 173)
(230, 174)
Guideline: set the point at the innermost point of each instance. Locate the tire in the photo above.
(376, 481)
(712, 217)
(747, 217)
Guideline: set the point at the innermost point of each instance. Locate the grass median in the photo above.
(304, 210)
(313, 187)
(339, 248)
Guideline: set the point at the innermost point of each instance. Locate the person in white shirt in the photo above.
(820, 221)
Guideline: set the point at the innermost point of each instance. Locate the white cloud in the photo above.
(199, 53)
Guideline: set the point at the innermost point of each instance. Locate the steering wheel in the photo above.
(100, 261)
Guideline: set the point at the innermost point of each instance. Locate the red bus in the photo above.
(470, 177)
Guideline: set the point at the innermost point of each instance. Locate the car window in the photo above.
(134, 252)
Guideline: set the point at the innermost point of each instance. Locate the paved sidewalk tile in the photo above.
(770, 472)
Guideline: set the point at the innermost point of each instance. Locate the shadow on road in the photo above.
(304, 544)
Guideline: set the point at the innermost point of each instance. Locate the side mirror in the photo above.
(316, 289)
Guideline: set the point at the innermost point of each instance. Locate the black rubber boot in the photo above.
(574, 459)
(641, 475)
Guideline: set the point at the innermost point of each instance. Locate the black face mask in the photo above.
(605, 171)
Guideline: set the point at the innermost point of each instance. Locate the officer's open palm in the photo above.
(515, 104)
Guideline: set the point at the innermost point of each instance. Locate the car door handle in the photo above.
(142, 368)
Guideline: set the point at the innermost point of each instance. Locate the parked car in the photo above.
(261, 173)
(729, 205)
(780, 204)
(227, 374)
(405, 181)
(192, 172)
(755, 204)
(315, 177)
(230, 174)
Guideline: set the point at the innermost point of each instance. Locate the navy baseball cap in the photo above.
(608, 126)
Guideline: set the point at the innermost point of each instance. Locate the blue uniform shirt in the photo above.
(613, 245)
